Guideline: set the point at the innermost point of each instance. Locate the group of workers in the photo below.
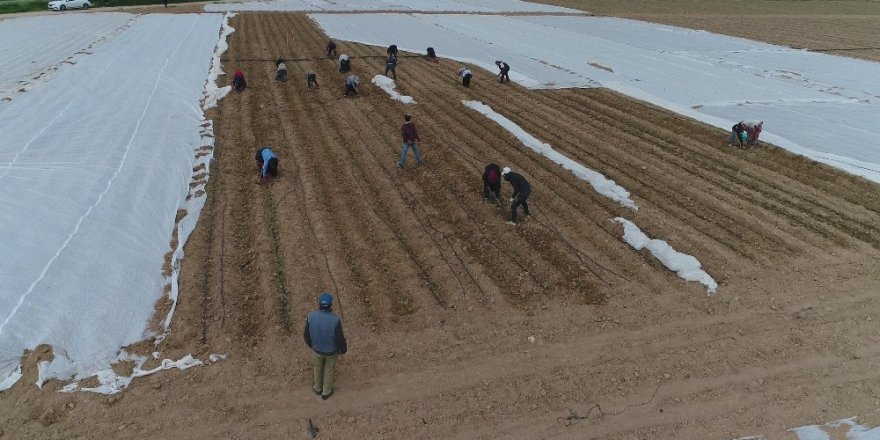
(745, 133)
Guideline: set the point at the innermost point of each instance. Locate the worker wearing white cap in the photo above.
(521, 191)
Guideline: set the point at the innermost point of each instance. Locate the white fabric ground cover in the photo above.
(32, 48)
(387, 84)
(93, 168)
(821, 106)
(388, 5)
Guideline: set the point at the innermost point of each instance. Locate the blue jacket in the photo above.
(323, 333)
(267, 154)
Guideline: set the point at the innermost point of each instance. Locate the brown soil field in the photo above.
(439, 297)
(839, 27)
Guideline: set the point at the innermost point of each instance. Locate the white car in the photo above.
(63, 5)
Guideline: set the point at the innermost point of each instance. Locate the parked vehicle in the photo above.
(63, 5)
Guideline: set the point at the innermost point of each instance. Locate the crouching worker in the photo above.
(503, 71)
(280, 70)
(312, 78)
(267, 163)
(521, 191)
(344, 63)
(738, 135)
(465, 75)
(323, 334)
(238, 82)
(431, 56)
(351, 85)
(753, 128)
(492, 182)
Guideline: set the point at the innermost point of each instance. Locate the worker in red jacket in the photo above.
(410, 140)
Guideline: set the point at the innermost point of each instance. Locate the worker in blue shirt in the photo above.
(267, 163)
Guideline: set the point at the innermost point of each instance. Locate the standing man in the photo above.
(351, 85)
(267, 163)
(390, 66)
(331, 49)
(465, 75)
(323, 334)
(503, 71)
(410, 140)
(312, 78)
(521, 191)
(492, 182)
(280, 70)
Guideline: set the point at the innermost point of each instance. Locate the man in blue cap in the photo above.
(323, 334)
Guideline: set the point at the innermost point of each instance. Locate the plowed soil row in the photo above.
(440, 298)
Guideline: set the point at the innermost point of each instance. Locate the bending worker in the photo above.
(521, 191)
(267, 163)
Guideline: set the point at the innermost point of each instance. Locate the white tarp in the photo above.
(31, 48)
(387, 5)
(93, 168)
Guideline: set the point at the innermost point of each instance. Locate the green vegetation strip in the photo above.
(280, 276)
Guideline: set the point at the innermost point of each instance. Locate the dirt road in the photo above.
(439, 297)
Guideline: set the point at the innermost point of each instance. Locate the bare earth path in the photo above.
(439, 296)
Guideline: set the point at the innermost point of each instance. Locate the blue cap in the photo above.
(325, 301)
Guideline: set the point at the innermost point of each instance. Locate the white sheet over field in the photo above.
(387, 5)
(32, 47)
(93, 168)
(821, 106)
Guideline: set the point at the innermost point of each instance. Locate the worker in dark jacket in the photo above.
(432, 55)
(392, 50)
(331, 49)
(521, 191)
(312, 78)
(503, 71)
(280, 70)
(492, 182)
(410, 140)
(736, 135)
(391, 66)
(323, 334)
(267, 163)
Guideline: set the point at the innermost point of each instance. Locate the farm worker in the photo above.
(410, 140)
(390, 65)
(351, 85)
(392, 50)
(312, 78)
(736, 133)
(238, 82)
(323, 334)
(492, 182)
(331, 49)
(753, 128)
(465, 75)
(504, 69)
(521, 191)
(281, 70)
(431, 56)
(344, 63)
(267, 163)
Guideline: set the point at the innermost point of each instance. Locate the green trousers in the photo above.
(324, 366)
